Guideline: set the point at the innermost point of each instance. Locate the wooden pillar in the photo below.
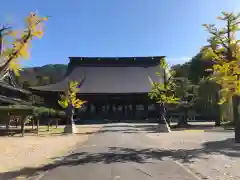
(111, 108)
(96, 109)
(134, 110)
(145, 110)
(106, 111)
(16, 125)
(88, 110)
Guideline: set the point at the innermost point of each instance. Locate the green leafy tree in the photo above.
(164, 92)
(206, 99)
(224, 50)
(187, 93)
(197, 66)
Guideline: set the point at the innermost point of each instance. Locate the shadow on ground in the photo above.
(206, 126)
(124, 155)
(13, 131)
(152, 128)
(129, 129)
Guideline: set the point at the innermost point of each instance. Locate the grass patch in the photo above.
(52, 130)
(43, 130)
(194, 130)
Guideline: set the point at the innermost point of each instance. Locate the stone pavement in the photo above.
(117, 151)
(210, 155)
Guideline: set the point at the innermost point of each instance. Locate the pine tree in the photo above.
(187, 92)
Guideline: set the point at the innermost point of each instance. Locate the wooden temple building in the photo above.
(114, 88)
(11, 93)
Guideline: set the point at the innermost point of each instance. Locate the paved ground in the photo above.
(33, 151)
(117, 152)
(130, 151)
(212, 155)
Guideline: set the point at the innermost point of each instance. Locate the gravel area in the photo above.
(210, 155)
(34, 151)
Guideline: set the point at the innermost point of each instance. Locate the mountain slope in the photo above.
(37, 76)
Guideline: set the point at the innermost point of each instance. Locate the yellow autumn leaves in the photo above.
(70, 96)
(20, 44)
(163, 92)
(227, 75)
(224, 51)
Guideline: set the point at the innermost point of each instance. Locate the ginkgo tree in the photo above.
(164, 92)
(15, 44)
(224, 51)
(69, 101)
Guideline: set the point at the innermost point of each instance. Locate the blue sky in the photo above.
(115, 28)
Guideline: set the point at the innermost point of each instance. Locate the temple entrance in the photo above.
(116, 112)
(117, 108)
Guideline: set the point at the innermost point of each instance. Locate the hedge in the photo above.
(30, 110)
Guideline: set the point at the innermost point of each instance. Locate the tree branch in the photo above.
(15, 53)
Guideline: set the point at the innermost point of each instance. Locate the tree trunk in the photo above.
(32, 123)
(8, 123)
(69, 115)
(218, 111)
(37, 125)
(70, 125)
(183, 121)
(22, 125)
(56, 123)
(48, 126)
(236, 101)
(217, 122)
(162, 117)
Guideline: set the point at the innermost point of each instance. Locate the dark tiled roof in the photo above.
(115, 61)
(11, 100)
(97, 78)
(108, 80)
(6, 85)
(11, 83)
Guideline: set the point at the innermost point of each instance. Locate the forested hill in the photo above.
(47, 74)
